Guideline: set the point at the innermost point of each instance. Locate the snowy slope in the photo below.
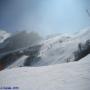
(18, 62)
(3, 35)
(68, 76)
(60, 49)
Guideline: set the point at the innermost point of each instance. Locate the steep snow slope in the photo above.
(71, 76)
(61, 49)
(19, 62)
(3, 35)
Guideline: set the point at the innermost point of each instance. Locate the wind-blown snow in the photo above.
(67, 76)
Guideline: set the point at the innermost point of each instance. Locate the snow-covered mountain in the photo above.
(19, 40)
(11, 48)
(55, 58)
(61, 49)
(3, 35)
(55, 50)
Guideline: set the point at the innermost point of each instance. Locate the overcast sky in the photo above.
(44, 16)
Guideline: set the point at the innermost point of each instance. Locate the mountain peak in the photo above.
(3, 35)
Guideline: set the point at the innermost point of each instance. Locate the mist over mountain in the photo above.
(29, 49)
(20, 40)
